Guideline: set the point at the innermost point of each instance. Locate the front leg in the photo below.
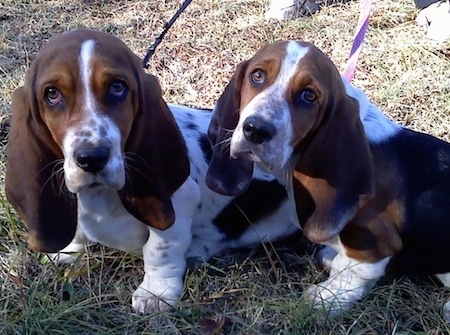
(362, 251)
(165, 255)
(445, 279)
(350, 280)
(207, 242)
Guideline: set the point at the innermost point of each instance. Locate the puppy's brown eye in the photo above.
(258, 77)
(307, 96)
(118, 90)
(53, 96)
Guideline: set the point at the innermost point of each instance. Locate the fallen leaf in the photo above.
(212, 327)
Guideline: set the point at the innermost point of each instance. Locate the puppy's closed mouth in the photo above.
(248, 154)
(95, 185)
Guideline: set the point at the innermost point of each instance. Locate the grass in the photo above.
(245, 291)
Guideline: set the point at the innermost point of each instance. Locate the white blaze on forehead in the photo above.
(93, 128)
(272, 105)
(274, 94)
(294, 53)
(86, 52)
(288, 69)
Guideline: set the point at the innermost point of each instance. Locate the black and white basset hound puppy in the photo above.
(94, 154)
(375, 193)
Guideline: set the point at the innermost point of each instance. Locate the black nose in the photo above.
(257, 131)
(92, 159)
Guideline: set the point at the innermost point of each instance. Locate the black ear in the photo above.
(225, 174)
(31, 170)
(334, 174)
(157, 163)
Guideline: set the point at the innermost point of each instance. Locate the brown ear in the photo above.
(334, 173)
(156, 159)
(32, 186)
(227, 175)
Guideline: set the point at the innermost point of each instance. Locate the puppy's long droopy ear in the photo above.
(334, 173)
(157, 163)
(225, 174)
(31, 184)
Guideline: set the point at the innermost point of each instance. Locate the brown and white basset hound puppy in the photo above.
(375, 193)
(87, 119)
(95, 155)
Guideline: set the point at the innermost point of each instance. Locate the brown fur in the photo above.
(334, 179)
(227, 175)
(146, 125)
(374, 233)
(337, 169)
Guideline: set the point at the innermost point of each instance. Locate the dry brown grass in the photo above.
(258, 292)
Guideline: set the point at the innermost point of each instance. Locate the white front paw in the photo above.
(349, 281)
(332, 298)
(157, 294)
(69, 254)
(64, 257)
(446, 312)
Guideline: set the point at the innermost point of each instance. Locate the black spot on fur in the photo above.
(261, 199)
(191, 125)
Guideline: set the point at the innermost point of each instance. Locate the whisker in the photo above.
(133, 157)
(123, 190)
(55, 163)
(224, 145)
(267, 167)
(63, 190)
(286, 176)
(139, 172)
(56, 179)
(228, 131)
(127, 169)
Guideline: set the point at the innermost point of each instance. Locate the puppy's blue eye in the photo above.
(307, 96)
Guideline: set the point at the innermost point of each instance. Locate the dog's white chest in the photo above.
(105, 220)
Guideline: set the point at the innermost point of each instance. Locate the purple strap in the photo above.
(363, 22)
